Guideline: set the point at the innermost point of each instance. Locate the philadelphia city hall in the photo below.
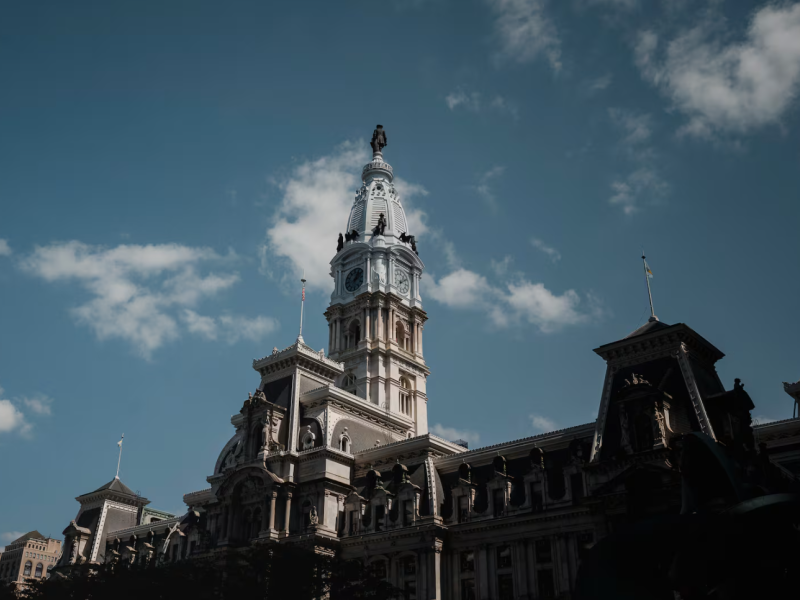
(333, 452)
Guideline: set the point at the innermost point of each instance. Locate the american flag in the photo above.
(304, 294)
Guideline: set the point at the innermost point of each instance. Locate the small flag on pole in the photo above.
(119, 443)
(647, 269)
(304, 294)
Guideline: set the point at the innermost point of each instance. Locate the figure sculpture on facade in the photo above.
(308, 438)
(378, 142)
(381, 226)
(352, 236)
(340, 243)
(313, 518)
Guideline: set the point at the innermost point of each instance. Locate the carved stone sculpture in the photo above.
(379, 141)
(340, 243)
(308, 438)
(381, 226)
(313, 518)
(352, 236)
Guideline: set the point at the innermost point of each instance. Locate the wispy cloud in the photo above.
(644, 185)
(137, 292)
(484, 188)
(554, 254)
(10, 536)
(542, 424)
(39, 404)
(5, 249)
(525, 31)
(230, 328)
(598, 84)
(475, 102)
(452, 434)
(725, 85)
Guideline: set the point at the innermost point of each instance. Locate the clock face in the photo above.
(354, 280)
(401, 281)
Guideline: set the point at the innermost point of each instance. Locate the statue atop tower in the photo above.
(379, 141)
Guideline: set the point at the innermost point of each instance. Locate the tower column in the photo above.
(367, 332)
(288, 512)
(273, 500)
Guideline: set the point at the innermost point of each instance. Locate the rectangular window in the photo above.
(544, 552)
(504, 559)
(576, 484)
(408, 512)
(411, 590)
(536, 495)
(547, 586)
(505, 587)
(380, 513)
(499, 502)
(463, 509)
(468, 561)
(467, 589)
(353, 522)
(408, 566)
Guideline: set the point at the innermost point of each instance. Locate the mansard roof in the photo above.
(656, 333)
(651, 325)
(115, 485)
(114, 489)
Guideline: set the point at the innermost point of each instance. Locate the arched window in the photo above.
(405, 397)
(344, 441)
(353, 335)
(38, 572)
(27, 571)
(349, 381)
(402, 337)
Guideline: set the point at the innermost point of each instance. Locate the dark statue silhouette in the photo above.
(379, 141)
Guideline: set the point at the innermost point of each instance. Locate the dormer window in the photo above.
(344, 441)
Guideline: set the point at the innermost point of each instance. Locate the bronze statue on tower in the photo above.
(378, 142)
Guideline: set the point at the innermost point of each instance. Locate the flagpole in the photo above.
(302, 304)
(119, 460)
(653, 316)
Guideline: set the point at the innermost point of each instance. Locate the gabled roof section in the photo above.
(651, 325)
(114, 488)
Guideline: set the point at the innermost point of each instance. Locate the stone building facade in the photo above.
(333, 451)
(30, 556)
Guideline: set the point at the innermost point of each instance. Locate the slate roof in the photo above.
(31, 535)
(647, 328)
(115, 485)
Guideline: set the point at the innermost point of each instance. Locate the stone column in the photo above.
(272, 502)
(419, 335)
(391, 323)
(379, 322)
(264, 515)
(288, 512)
(520, 568)
(229, 531)
(367, 330)
(482, 572)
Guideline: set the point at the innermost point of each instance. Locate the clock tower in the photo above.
(375, 317)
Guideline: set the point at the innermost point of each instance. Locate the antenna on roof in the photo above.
(648, 275)
(302, 304)
(119, 460)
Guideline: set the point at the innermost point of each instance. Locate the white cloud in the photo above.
(518, 302)
(137, 291)
(501, 267)
(542, 424)
(484, 189)
(637, 126)
(644, 185)
(618, 4)
(525, 31)
(231, 328)
(554, 254)
(5, 249)
(317, 197)
(451, 434)
(40, 404)
(10, 536)
(12, 419)
(723, 84)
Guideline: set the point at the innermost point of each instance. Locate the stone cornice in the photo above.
(517, 448)
(658, 342)
(357, 406)
(426, 442)
(298, 354)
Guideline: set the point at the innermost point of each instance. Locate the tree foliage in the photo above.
(264, 572)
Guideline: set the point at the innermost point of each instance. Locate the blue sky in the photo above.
(169, 168)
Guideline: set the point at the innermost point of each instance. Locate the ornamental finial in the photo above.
(379, 141)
